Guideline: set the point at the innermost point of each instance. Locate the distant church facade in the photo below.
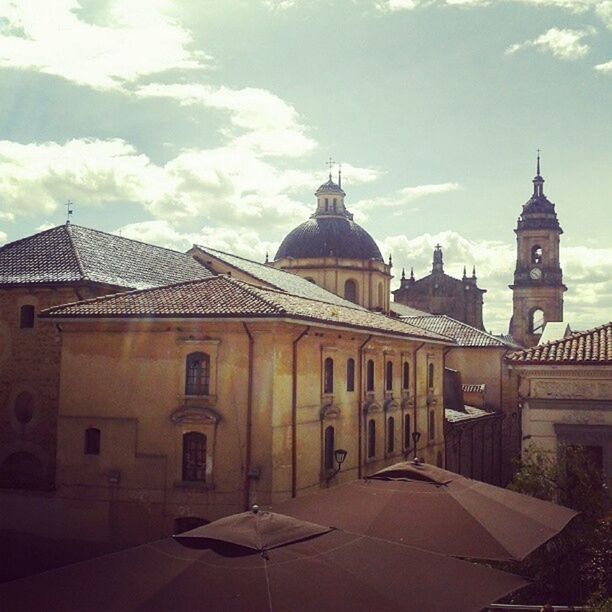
(439, 293)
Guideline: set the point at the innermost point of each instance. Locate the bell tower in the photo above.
(537, 292)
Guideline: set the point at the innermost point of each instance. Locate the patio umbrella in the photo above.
(264, 561)
(434, 509)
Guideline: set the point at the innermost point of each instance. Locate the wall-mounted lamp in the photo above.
(339, 456)
(416, 436)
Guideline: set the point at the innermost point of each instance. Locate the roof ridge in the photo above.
(75, 250)
(206, 248)
(252, 290)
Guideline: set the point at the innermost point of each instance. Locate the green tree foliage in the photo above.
(574, 567)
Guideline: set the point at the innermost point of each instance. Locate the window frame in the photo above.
(371, 439)
(329, 446)
(328, 376)
(194, 442)
(200, 383)
(350, 375)
(370, 376)
(390, 435)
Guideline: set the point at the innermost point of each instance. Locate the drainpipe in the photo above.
(294, 414)
(360, 408)
(249, 422)
(415, 375)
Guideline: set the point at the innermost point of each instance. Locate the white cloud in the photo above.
(260, 120)
(35, 178)
(397, 5)
(586, 271)
(238, 241)
(562, 43)
(604, 12)
(124, 41)
(403, 197)
(605, 68)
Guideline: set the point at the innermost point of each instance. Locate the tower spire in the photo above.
(340, 175)
(330, 163)
(538, 181)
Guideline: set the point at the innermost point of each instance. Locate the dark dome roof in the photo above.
(329, 237)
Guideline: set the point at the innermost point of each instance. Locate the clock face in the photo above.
(535, 273)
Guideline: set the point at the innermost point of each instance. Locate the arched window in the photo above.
(406, 376)
(24, 407)
(326, 204)
(381, 295)
(350, 374)
(194, 456)
(389, 376)
(536, 254)
(432, 424)
(197, 380)
(350, 291)
(26, 316)
(329, 448)
(407, 438)
(390, 435)
(371, 439)
(430, 376)
(92, 441)
(334, 204)
(370, 375)
(536, 321)
(328, 375)
(22, 471)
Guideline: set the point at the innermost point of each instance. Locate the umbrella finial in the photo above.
(255, 508)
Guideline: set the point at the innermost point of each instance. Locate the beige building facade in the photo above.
(265, 425)
(565, 394)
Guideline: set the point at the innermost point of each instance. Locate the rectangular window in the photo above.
(432, 424)
(92, 441)
(26, 316)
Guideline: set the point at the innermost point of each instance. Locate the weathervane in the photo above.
(69, 210)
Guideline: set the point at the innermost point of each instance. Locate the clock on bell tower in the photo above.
(537, 291)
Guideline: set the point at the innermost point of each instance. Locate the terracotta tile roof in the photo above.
(471, 414)
(222, 296)
(71, 254)
(589, 347)
(462, 333)
(279, 279)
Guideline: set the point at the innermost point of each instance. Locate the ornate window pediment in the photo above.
(371, 406)
(195, 414)
(390, 405)
(329, 411)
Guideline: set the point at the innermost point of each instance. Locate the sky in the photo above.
(210, 122)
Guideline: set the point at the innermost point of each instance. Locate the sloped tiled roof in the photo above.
(403, 310)
(593, 346)
(71, 253)
(279, 279)
(222, 296)
(462, 333)
(471, 414)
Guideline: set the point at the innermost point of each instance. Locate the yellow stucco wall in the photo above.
(127, 379)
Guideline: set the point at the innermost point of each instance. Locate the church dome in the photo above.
(329, 236)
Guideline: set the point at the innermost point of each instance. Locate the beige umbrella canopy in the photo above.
(263, 561)
(434, 509)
